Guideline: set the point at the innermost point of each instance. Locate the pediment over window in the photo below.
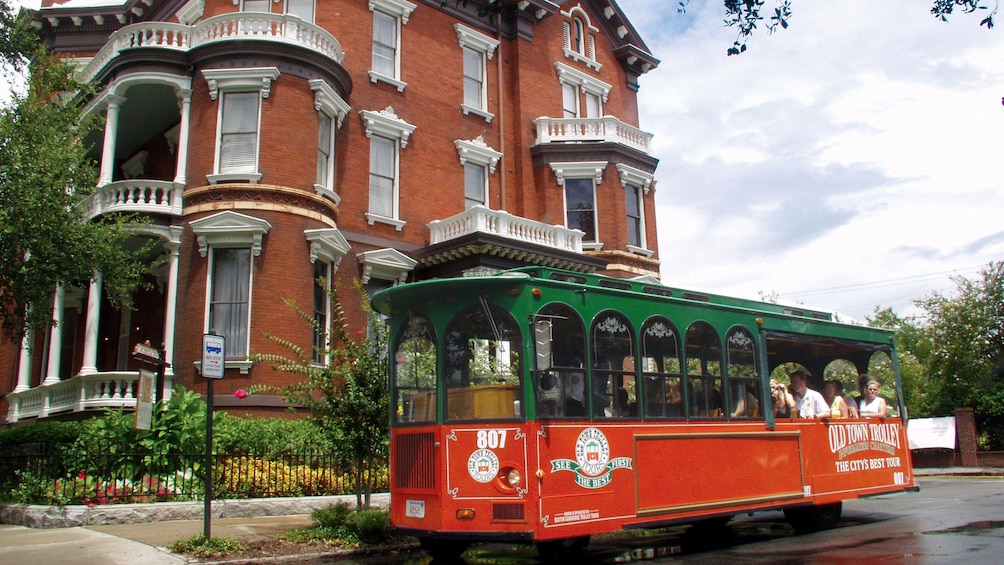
(230, 229)
(589, 84)
(579, 170)
(477, 152)
(328, 245)
(240, 80)
(635, 177)
(327, 101)
(386, 264)
(401, 8)
(385, 123)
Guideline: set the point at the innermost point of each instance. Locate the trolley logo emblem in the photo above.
(593, 467)
(483, 465)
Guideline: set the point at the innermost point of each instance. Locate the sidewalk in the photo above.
(146, 543)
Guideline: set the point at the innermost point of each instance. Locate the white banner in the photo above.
(931, 432)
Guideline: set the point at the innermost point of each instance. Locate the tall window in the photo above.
(632, 196)
(704, 370)
(662, 382)
(579, 37)
(580, 207)
(384, 44)
(474, 79)
(325, 151)
(582, 95)
(569, 101)
(303, 9)
(256, 6)
(614, 387)
(383, 176)
(239, 133)
(475, 183)
(322, 270)
(229, 306)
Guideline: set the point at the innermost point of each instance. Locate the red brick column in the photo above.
(965, 432)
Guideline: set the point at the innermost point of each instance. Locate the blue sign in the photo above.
(213, 356)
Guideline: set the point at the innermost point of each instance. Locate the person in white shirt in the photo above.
(810, 404)
(871, 404)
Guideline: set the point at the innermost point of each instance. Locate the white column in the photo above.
(111, 133)
(90, 365)
(185, 102)
(171, 307)
(24, 363)
(55, 337)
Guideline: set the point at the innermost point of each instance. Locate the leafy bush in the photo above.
(30, 488)
(212, 547)
(51, 432)
(332, 516)
(369, 524)
(266, 436)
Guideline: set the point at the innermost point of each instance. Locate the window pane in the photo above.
(228, 308)
(474, 185)
(240, 112)
(632, 197)
(384, 44)
(614, 390)
(415, 372)
(473, 78)
(592, 106)
(570, 101)
(579, 207)
(238, 133)
(482, 365)
(303, 9)
(320, 313)
(382, 177)
(256, 6)
(324, 150)
(704, 370)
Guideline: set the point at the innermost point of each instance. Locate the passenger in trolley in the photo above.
(784, 402)
(810, 404)
(871, 404)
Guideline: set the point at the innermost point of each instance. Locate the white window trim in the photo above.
(579, 79)
(327, 245)
(328, 102)
(589, 57)
(238, 80)
(481, 43)
(477, 152)
(386, 124)
(637, 177)
(401, 11)
(230, 229)
(386, 264)
(583, 170)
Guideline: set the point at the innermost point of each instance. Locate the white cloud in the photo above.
(848, 161)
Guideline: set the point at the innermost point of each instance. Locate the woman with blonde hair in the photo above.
(871, 404)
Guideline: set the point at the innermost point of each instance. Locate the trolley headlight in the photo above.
(513, 478)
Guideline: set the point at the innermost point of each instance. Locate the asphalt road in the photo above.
(951, 520)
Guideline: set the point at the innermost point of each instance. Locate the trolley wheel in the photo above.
(565, 550)
(443, 549)
(809, 519)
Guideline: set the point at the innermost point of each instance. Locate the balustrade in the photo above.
(77, 394)
(607, 129)
(137, 196)
(499, 222)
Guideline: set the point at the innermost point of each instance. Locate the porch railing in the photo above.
(225, 27)
(77, 394)
(499, 222)
(137, 196)
(580, 130)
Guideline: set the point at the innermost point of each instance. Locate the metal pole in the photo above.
(160, 374)
(208, 512)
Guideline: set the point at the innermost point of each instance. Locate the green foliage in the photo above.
(267, 436)
(331, 516)
(369, 524)
(347, 398)
(204, 548)
(46, 431)
(31, 488)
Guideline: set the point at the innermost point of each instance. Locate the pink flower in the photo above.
(241, 393)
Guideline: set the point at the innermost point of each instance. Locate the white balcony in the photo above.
(78, 394)
(607, 129)
(137, 196)
(225, 27)
(481, 219)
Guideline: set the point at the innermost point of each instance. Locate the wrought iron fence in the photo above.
(48, 474)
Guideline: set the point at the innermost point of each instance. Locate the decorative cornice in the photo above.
(240, 80)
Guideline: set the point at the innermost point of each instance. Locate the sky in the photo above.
(850, 161)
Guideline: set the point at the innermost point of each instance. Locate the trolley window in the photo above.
(614, 393)
(560, 376)
(704, 370)
(743, 378)
(415, 372)
(661, 369)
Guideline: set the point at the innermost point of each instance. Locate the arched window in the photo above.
(482, 364)
(560, 376)
(744, 380)
(614, 390)
(662, 373)
(415, 372)
(579, 37)
(704, 370)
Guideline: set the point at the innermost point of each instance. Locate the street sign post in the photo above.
(214, 355)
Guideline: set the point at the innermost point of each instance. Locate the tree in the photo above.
(348, 399)
(746, 16)
(966, 362)
(913, 349)
(45, 182)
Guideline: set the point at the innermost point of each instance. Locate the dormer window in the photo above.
(580, 37)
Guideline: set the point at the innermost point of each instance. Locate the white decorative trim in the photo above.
(325, 192)
(240, 80)
(327, 101)
(376, 77)
(191, 12)
(385, 123)
(386, 264)
(372, 218)
(328, 245)
(640, 251)
(584, 169)
(477, 152)
(252, 178)
(229, 229)
(467, 110)
(568, 75)
(399, 8)
(636, 177)
(476, 40)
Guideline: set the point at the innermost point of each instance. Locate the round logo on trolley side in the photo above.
(592, 452)
(483, 465)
